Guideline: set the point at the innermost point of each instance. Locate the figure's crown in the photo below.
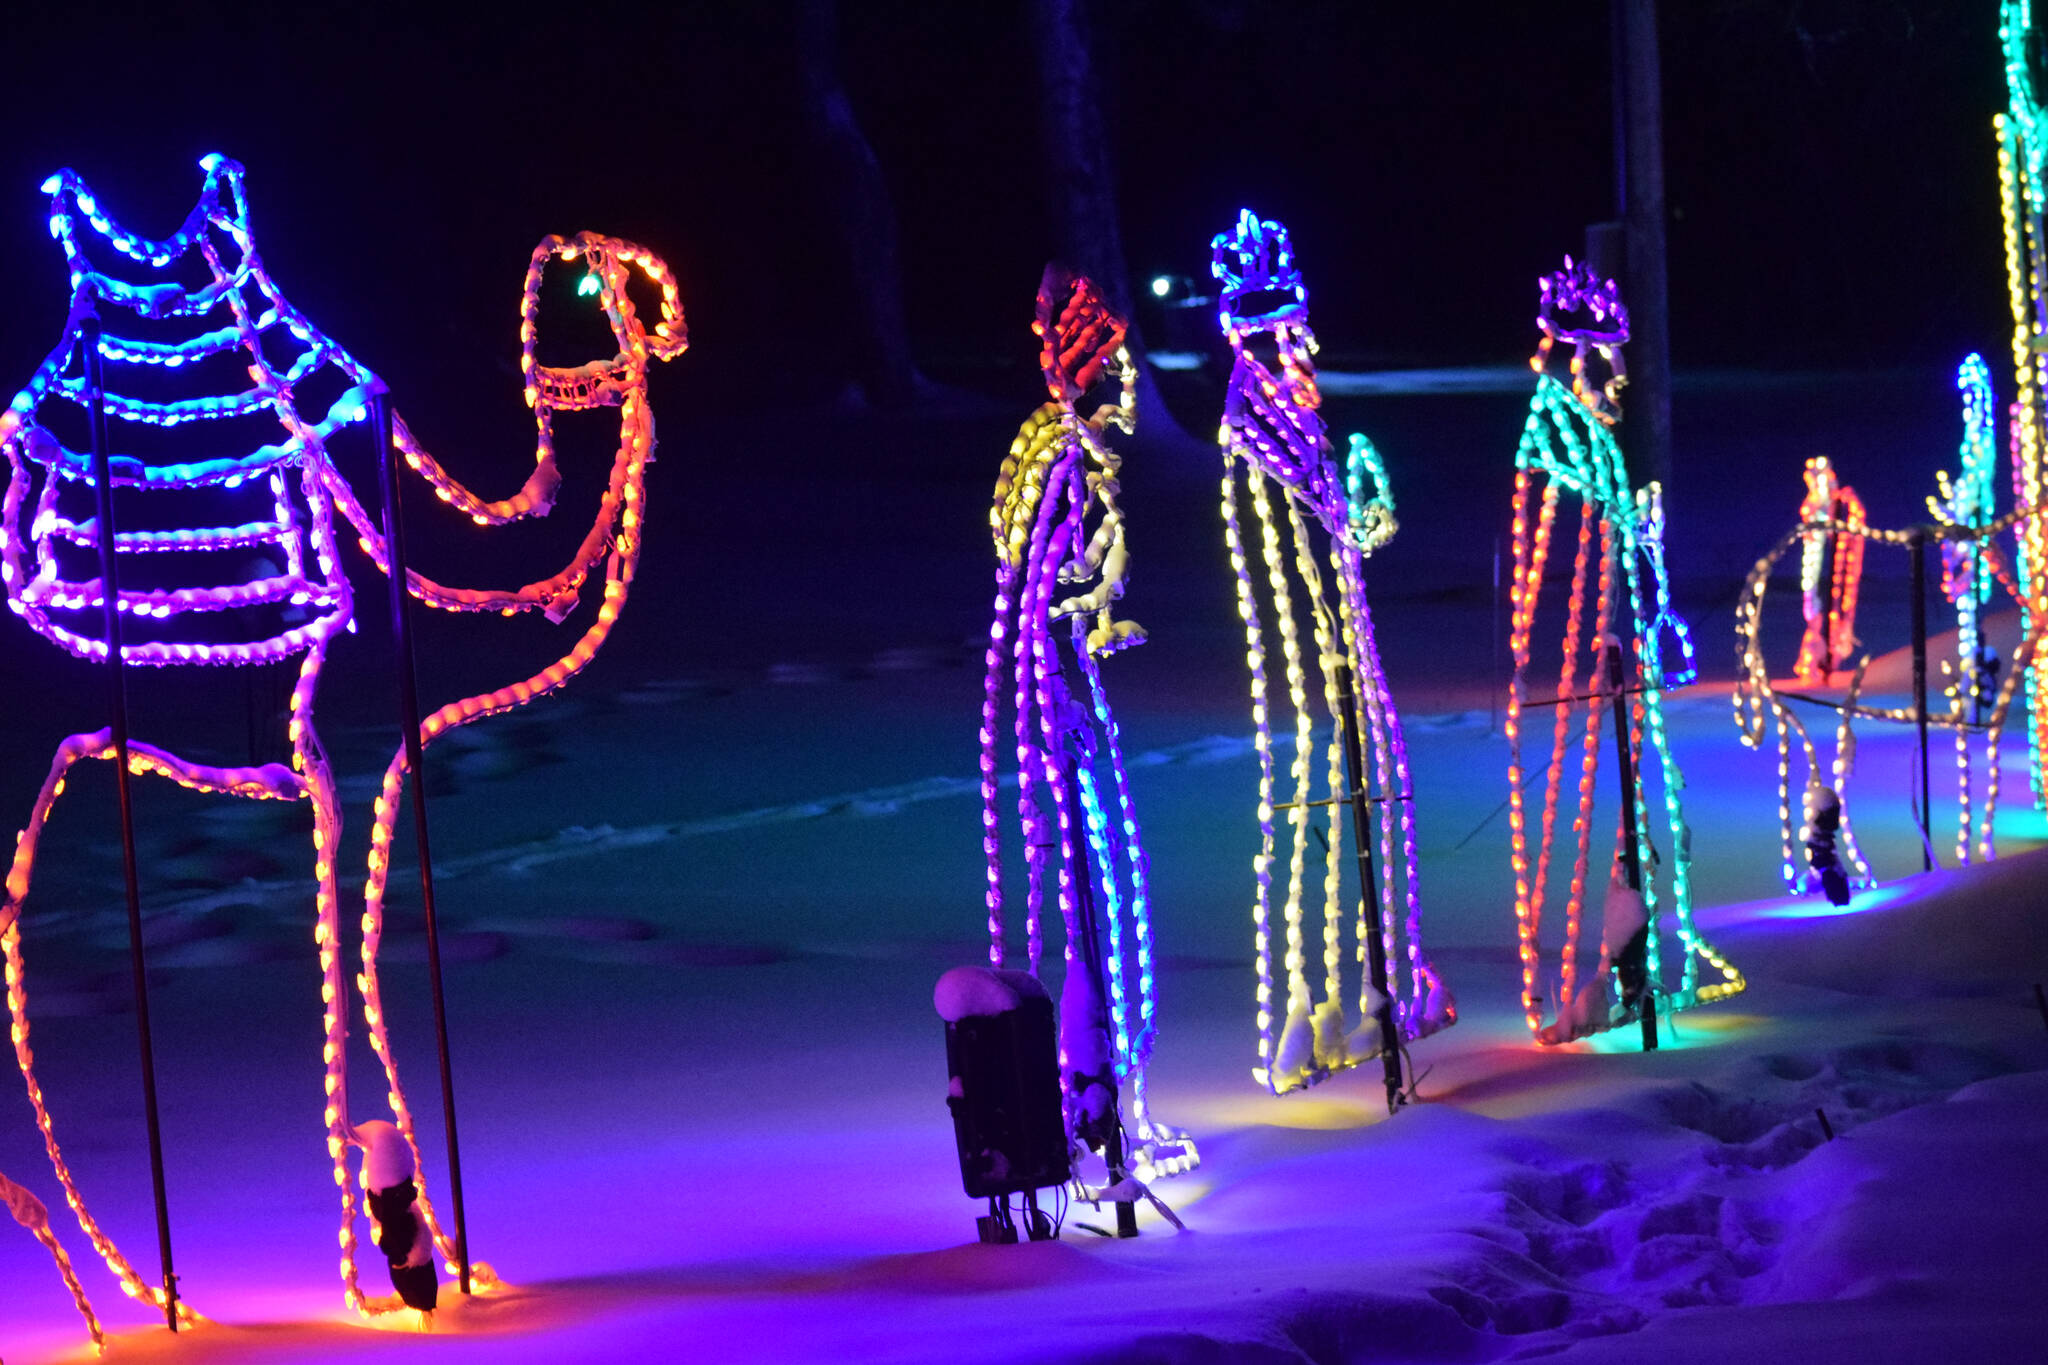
(1256, 257)
(1576, 289)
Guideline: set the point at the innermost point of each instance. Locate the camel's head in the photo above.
(1579, 307)
(609, 264)
(1081, 343)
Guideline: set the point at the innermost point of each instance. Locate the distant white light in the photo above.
(1161, 286)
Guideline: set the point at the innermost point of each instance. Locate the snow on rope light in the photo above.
(245, 352)
(2022, 135)
(1828, 590)
(1060, 558)
(1313, 548)
(1978, 703)
(1568, 443)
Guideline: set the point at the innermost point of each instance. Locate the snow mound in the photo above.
(968, 992)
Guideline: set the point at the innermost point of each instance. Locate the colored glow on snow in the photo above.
(1567, 440)
(1868, 899)
(1272, 434)
(298, 489)
(1695, 1031)
(1059, 476)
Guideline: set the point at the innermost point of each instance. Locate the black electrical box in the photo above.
(1004, 1091)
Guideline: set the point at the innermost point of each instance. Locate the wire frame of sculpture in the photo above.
(1568, 448)
(1060, 568)
(1830, 574)
(1978, 702)
(2022, 132)
(244, 352)
(1313, 540)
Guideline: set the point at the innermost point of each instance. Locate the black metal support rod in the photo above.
(117, 706)
(1631, 856)
(409, 718)
(1919, 571)
(1075, 853)
(1368, 883)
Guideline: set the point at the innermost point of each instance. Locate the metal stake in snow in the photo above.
(1369, 889)
(117, 699)
(1631, 857)
(409, 719)
(1917, 548)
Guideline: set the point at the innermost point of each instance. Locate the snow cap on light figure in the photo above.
(390, 1185)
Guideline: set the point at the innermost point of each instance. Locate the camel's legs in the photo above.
(269, 782)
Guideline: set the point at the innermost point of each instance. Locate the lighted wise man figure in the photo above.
(2023, 202)
(1830, 573)
(1060, 567)
(257, 396)
(1313, 547)
(1568, 445)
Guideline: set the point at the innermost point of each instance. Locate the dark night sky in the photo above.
(1830, 166)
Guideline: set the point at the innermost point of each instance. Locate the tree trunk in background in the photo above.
(857, 212)
(1080, 182)
(1649, 348)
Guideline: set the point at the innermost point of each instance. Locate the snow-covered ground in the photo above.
(695, 910)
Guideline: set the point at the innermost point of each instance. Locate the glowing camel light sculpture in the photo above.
(273, 363)
(1568, 443)
(1060, 559)
(1972, 569)
(1272, 434)
(1830, 573)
